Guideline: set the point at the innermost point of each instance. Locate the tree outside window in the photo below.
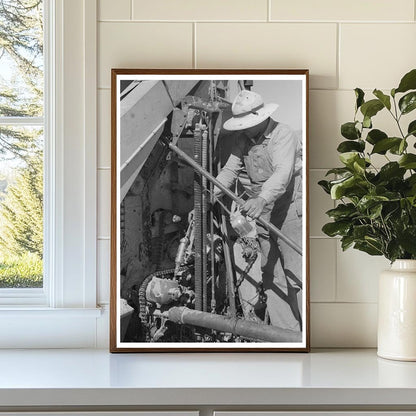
(21, 143)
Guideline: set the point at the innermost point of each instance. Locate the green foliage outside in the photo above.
(21, 221)
(21, 271)
(21, 148)
(376, 212)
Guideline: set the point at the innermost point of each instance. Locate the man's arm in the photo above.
(229, 173)
(283, 154)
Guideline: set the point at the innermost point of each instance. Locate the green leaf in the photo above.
(375, 211)
(336, 228)
(411, 130)
(383, 145)
(359, 165)
(375, 136)
(408, 161)
(349, 131)
(338, 187)
(368, 248)
(393, 250)
(371, 108)
(402, 147)
(368, 201)
(385, 99)
(342, 211)
(338, 171)
(407, 240)
(348, 158)
(408, 82)
(398, 149)
(346, 242)
(349, 146)
(351, 186)
(367, 122)
(359, 95)
(411, 180)
(391, 170)
(325, 186)
(359, 232)
(408, 102)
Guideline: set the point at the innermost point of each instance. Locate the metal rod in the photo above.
(228, 266)
(204, 226)
(248, 329)
(233, 196)
(211, 214)
(197, 219)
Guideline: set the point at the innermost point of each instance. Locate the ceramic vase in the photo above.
(397, 312)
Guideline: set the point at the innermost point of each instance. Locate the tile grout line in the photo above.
(131, 9)
(194, 62)
(352, 302)
(336, 272)
(310, 89)
(338, 64)
(269, 10)
(308, 22)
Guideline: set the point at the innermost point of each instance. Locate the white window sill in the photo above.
(40, 327)
(39, 311)
(322, 379)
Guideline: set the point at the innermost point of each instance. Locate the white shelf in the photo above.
(56, 378)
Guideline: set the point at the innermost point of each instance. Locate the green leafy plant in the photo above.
(376, 210)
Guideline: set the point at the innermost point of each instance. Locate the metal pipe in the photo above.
(211, 214)
(228, 266)
(236, 326)
(204, 217)
(233, 196)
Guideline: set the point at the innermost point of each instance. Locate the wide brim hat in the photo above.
(248, 110)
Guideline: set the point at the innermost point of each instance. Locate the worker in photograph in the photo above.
(266, 158)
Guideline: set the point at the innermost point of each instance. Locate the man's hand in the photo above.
(253, 207)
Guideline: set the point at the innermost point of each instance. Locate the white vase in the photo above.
(397, 312)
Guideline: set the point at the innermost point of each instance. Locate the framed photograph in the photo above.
(209, 211)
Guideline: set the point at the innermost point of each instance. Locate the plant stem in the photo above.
(397, 118)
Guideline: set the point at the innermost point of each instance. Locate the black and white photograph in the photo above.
(209, 242)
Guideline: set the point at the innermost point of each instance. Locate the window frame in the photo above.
(34, 296)
(70, 208)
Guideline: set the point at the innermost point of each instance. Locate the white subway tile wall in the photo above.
(345, 44)
(103, 270)
(323, 269)
(142, 45)
(104, 202)
(270, 45)
(355, 10)
(114, 10)
(200, 10)
(375, 54)
(319, 203)
(357, 275)
(104, 128)
(349, 325)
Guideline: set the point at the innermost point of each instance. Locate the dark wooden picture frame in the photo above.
(191, 270)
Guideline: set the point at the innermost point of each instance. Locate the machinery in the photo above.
(178, 270)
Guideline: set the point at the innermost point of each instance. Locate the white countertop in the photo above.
(96, 377)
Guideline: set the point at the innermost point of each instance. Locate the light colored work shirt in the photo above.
(266, 167)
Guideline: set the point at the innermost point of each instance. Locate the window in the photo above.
(22, 128)
(63, 312)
